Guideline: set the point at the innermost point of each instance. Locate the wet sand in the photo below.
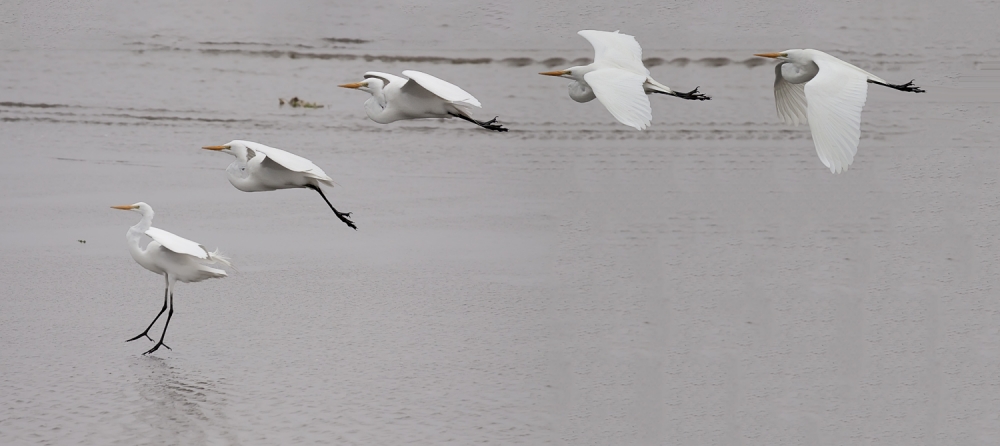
(573, 281)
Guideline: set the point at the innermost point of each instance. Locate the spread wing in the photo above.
(289, 161)
(177, 243)
(616, 49)
(622, 94)
(835, 98)
(789, 98)
(386, 77)
(442, 89)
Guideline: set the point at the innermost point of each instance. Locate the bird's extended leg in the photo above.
(342, 216)
(146, 331)
(908, 87)
(692, 95)
(167, 324)
(488, 125)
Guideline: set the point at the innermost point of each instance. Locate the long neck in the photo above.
(375, 107)
(134, 235)
(239, 176)
(797, 72)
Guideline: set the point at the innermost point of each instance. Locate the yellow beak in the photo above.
(771, 55)
(555, 73)
(354, 85)
(216, 147)
(124, 207)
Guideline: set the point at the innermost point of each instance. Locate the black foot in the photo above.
(692, 95)
(488, 125)
(156, 347)
(907, 87)
(492, 125)
(140, 335)
(344, 218)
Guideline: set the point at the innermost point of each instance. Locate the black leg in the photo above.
(167, 324)
(342, 216)
(692, 95)
(907, 87)
(146, 331)
(488, 125)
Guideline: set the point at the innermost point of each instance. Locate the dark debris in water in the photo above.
(295, 102)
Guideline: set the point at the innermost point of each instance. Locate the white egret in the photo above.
(421, 96)
(262, 168)
(828, 93)
(173, 256)
(618, 79)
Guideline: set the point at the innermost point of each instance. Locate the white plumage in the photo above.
(421, 96)
(828, 93)
(260, 168)
(618, 79)
(173, 256)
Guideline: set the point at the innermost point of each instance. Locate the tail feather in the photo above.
(216, 256)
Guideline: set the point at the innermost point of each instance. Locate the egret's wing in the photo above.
(835, 98)
(386, 77)
(177, 243)
(622, 94)
(289, 161)
(789, 98)
(616, 49)
(442, 89)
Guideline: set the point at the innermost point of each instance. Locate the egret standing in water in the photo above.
(261, 168)
(828, 93)
(421, 96)
(173, 256)
(618, 79)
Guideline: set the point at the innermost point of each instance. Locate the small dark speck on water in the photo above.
(82, 241)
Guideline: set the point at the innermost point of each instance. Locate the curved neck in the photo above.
(135, 233)
(239, 176)
(796, 72)
(375, 108)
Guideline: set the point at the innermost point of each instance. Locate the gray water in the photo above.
(573, 281)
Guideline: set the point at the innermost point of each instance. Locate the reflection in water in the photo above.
(178, 405)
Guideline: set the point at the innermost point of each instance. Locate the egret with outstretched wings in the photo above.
(828, 93)
(421, 96)
(262, 168)
(618, 79)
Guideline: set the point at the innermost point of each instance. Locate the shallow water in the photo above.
(573, 281)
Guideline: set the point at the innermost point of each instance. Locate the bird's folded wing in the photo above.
(616, 49)
(789, 98)
(442, 89)
(177, 243)
(290, 161)
(621, 93)
(835, 98)
(386, 77)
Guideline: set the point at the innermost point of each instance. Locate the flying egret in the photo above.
(828, 93)
(618, 79)
(421, 96)
(261, 168)
(173, 256)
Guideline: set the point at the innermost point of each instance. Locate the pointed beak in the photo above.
(554, 73)
(216, 147)
(354, 85)
(124, 207)
(770, 55)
